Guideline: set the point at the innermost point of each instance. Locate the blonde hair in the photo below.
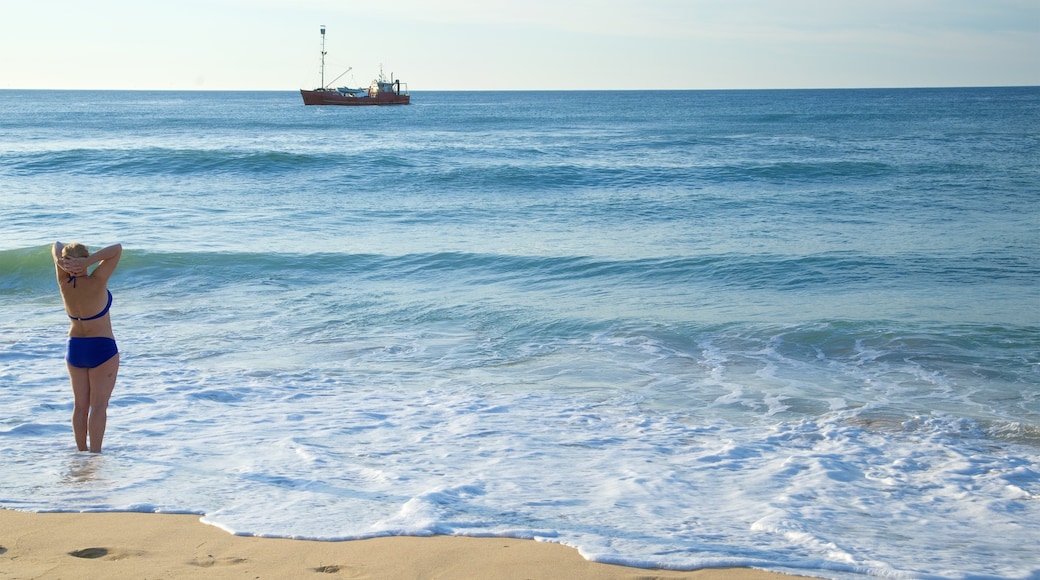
(75, 250)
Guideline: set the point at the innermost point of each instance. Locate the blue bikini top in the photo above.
(100, 314)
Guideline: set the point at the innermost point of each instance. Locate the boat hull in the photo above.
(320, 97)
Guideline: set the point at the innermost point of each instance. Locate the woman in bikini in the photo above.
(91, 354)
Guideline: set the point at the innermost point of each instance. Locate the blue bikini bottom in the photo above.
(89, 352)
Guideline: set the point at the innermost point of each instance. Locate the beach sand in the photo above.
(148, 546)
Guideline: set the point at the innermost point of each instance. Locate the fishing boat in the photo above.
(380, 92)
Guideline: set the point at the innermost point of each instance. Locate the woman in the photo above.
(91, 354)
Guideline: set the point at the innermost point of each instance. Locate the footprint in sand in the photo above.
(209, 561)
(89, 553)
(341, 571)
(106, 553)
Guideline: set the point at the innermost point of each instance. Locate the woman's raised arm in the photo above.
(107, 259)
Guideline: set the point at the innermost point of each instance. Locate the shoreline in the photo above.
(125, 545)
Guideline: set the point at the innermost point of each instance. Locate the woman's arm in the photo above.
(106, 258)
(56, 256)
(110, 253)
(56, 250)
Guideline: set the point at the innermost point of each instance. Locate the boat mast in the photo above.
(323, 57)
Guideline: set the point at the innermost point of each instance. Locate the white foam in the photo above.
(622, 484)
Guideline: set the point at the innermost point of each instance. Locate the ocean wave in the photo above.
(638, 168)
(645, 172)
(782, 171)
(26, 268)
(152, 161)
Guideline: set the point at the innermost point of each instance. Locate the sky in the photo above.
(519, 44)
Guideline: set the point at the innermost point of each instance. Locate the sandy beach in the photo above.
(142, 546)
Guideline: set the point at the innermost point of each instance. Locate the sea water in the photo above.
(792, 330)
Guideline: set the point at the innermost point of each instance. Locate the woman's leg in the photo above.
(102, 382)
(81, 404)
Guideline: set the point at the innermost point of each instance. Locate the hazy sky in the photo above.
(519, 44)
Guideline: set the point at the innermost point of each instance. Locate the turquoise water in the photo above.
(794, 330)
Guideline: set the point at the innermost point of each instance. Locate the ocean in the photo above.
(795, 330)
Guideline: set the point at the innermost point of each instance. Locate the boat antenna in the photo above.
(323, 57)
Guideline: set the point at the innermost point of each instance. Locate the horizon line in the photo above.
(529, 90)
